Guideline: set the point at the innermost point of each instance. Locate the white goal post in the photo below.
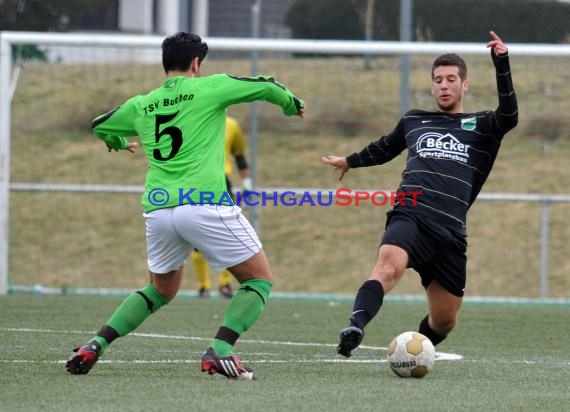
(372, 48)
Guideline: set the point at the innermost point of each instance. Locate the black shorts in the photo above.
(434, 251)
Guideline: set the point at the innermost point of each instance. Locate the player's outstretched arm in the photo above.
(234, 89)
(376, 153)
(113, 126)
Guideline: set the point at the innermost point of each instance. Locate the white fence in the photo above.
(544, 200)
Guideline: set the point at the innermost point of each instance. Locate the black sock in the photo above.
(108, 333)
(367, 303)
(428, 332)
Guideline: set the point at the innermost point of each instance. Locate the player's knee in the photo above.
(261, 287)
(388, 275)
(267, 276)
(166, 290)
(168, 294)
(153, 297)
(444, 324)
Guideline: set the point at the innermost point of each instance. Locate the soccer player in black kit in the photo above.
(450, 155)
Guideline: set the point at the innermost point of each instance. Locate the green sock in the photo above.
(133, 311)
(222, 348)
(102, 342)
(243, 311)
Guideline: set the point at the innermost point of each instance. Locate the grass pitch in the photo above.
(501, 357)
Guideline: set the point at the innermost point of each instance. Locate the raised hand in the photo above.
(497, 45)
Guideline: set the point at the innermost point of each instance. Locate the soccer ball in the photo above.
(411, 355)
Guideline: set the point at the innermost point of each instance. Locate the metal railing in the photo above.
(544, 200)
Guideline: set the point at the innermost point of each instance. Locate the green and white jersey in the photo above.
(181, 126)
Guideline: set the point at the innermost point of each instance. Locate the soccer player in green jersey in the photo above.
(181, 126)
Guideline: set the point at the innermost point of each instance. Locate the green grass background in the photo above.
(97, 240)
(515, 358)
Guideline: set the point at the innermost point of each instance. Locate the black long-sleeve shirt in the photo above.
(450, 156)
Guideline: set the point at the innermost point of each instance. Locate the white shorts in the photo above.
(221, 233)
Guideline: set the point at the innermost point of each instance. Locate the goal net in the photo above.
(71, 211)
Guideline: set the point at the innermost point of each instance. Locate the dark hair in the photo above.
(450, 59)
(180, 49)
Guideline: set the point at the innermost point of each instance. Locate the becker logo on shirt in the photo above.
(439, 145)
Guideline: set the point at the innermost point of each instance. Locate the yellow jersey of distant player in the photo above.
(235, 143)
